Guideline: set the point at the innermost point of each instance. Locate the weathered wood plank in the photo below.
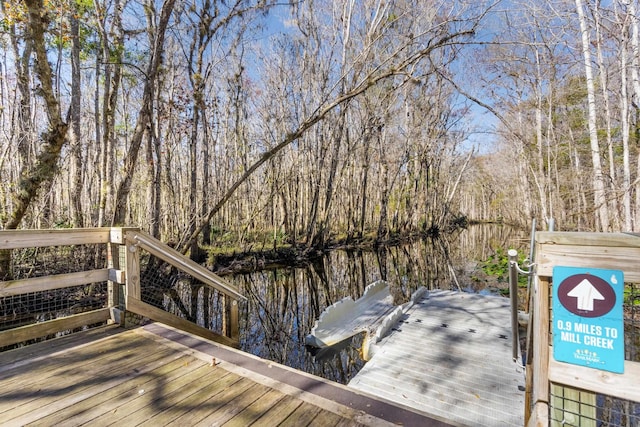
(47, 363)
(189, 401)
(76, 385)
(70, 367)
(19, 239)
(154, 313)
(318, 392)
(140, 407)
(539, 415)
(608, 383)
(329, 419)
(212, 404)
(302, 416)
(56, 281)
(616, 251)
(619, 240)
(235, 406)
(132, 268)
(252, 412)
(29, 332)
(541, 338)
(278, 412)
(110, 399)
(130, 378)
(32, 353)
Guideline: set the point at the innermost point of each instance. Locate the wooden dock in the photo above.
(157, 375)
(451, 356)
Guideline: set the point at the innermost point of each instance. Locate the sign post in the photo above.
(588, 327)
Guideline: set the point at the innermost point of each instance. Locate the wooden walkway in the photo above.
(156, 375)
(451, 356)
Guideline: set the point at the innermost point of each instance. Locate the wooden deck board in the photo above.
(132, 377)
(255, 410)
(190, 402)
(174, 398)
(302, 416)
(451, 357)
(52, 395)
(212, 404)
(235, 406)
(138, 408)
(12, 371)
(278, 413)
(113, 397)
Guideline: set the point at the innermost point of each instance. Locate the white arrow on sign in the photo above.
(586, 294)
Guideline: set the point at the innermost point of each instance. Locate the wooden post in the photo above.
(113, 263)
(132, 281)
(230, 318)
(132, 260)
(540, 362)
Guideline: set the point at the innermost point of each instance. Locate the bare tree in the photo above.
(599, 190)
(399, 60)
(145, 113)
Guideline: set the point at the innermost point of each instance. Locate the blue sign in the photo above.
(588, 325)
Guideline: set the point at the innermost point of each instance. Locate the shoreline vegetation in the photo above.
(228, 259)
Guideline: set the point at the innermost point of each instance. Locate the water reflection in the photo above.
(284, 303)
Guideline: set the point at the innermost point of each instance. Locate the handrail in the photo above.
(128, 274)
(21, 239)
(175, 258)
(513, 294)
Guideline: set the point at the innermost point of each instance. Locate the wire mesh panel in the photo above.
(46, 261)
(164, 286)
(40, 306)
(631, 310)
(35, 307)
(574, 407)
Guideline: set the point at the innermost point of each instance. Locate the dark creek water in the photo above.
(283, 304)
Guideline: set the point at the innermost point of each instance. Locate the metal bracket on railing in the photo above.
(528, 272)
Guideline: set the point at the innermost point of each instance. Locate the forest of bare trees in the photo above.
(259, 121)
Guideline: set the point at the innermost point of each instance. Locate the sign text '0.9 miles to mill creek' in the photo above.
(588, 327)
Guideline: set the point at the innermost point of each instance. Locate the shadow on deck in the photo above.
(156, 375)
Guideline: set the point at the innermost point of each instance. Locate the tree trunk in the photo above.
(599, 191)
(46, 164)
(144, 116)
(635, 47)
(110, 42)
(75, 137)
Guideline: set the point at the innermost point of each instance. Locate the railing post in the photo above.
(113, 263)
(513, 293)
(230, 318)
(540, 362)
(132, 260)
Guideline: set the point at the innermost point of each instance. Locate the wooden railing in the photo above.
(567, 394)
(117, 267)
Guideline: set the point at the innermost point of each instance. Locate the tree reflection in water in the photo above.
(284, 303)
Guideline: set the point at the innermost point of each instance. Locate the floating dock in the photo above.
(450, 356)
